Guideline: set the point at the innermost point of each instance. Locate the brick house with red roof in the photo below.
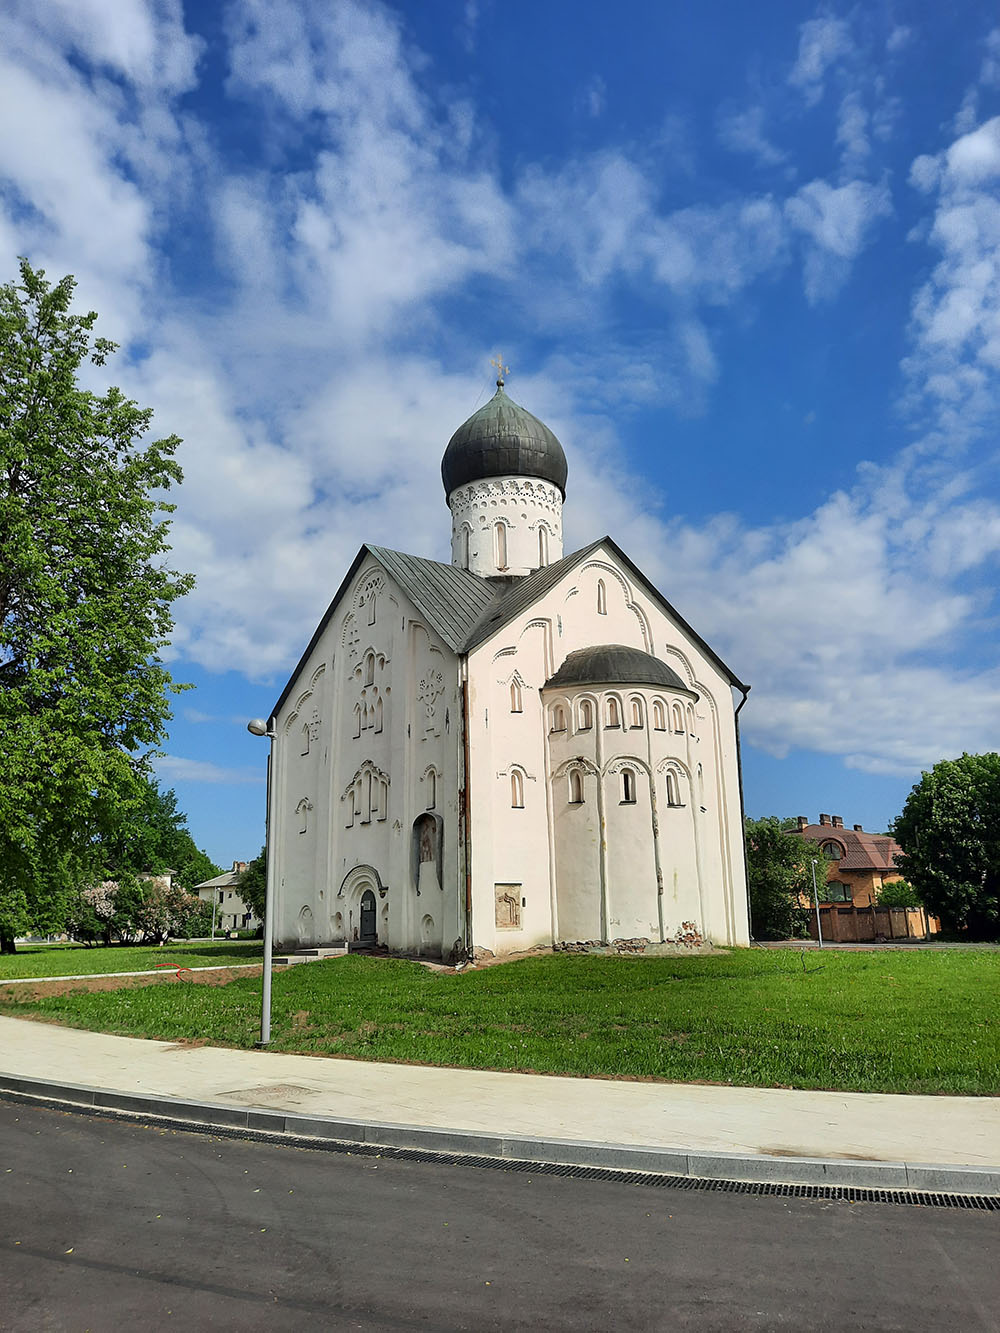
(858, 863)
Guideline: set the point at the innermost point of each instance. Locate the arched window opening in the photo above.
(659, 716)
(575, 787)
(516, 790)
(690, 718)
(636, 713)
(628, 787)
(558, 717)
(305, 738)
(382, 796)
(678, 717)
(515, 696)
(602, 598)
(378, 715)
(431, 790)
(614, 713)
(501, 543)
(466, 539)
(586, 715)
(368, 799)
(370, 669)
(351, 808)
(833, 851)
(673, 794)
(543, 546)
(357, 721)
(371, 609)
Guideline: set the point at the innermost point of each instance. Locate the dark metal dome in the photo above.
(502, 440)
(614, 664)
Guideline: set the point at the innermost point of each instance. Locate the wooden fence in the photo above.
(865, 925)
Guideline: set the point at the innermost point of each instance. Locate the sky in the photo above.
(744, 261)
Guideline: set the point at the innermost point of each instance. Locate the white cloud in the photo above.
(837, 220)
(743, 132)
(174, 768)
(822, 43)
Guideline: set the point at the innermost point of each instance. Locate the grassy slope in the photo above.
(893, 1022)
(62, 960)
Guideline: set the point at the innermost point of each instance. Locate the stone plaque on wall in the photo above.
(508, 906)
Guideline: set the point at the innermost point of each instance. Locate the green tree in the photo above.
(780, 879)
(950, 834)
(897, 893)
(253, 884)
(85, 601)
(153, 836)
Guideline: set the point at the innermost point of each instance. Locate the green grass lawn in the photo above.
(869, 1022)
(61, 960)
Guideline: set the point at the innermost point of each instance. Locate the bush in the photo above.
(898, 893)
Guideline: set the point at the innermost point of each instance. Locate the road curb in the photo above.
(719, 1166)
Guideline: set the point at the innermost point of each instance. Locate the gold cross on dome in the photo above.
(501, 369)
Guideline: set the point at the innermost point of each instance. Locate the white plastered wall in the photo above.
(367, 742)
(701, 848)
(527, 509)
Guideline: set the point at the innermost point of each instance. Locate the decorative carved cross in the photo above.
(501, 369)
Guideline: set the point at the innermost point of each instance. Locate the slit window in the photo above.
(501, 544)
(586, 715)
(659, 716)
(678, 718)
(576, 787)
(636, 713)
(673, 793)
(515, 697)
(614, 713)
(543, 546)
(602, 598)
(431, 790)
(558, 718)
(516, 790)
(305, 739)
(628, 787)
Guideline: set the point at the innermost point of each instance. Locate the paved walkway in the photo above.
(940, 1143)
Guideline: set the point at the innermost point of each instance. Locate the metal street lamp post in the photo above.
(258, 727)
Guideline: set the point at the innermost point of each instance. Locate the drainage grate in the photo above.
(987, 1203)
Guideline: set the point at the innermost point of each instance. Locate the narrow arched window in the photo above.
(501, 543)
(614, 713)
(370, 669)
(378, 715)
(305, 739)
(431, 790)
(516, 790)
(543, 546)
(586, 715)
(558, 718)
(636, 713)
(690, 718)
(351, 803)
(673, 795)
(628, 787)
(357, 721)
(602, 598)
(678, 717)
(515, 696)
(575, 787)
(368, 799)
(466, 538)
(371, 609)
(659, 716)
(383, 799)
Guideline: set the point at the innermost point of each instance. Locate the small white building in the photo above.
(231, 912)
(520, 748)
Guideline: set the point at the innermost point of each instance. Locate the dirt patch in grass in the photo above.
(38, 990)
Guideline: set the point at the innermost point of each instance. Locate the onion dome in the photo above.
(614, 664)
(503, 440)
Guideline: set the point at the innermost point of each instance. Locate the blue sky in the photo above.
(744, 260)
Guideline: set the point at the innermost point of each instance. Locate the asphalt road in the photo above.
(106, 1225)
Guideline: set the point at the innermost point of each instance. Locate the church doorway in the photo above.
(367, 932)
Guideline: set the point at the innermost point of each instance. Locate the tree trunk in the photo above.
(7, 943)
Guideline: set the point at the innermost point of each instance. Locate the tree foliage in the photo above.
(253, 884)
(897, 893)
(85, 600)
(778, 872)
(132, 910)
(950, 834)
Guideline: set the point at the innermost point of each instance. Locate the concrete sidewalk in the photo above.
(949, 1144)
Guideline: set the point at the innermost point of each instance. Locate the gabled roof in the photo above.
(862, 851)
(227, 880)
(529, 589)
(466, 610)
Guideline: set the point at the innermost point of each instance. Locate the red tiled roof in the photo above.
(862, 851)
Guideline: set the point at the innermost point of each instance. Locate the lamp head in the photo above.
(257, 726)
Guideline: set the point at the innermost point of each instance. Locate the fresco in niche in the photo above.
(429, 690)
(427, 850)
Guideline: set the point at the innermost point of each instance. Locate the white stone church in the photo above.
(520, 748)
